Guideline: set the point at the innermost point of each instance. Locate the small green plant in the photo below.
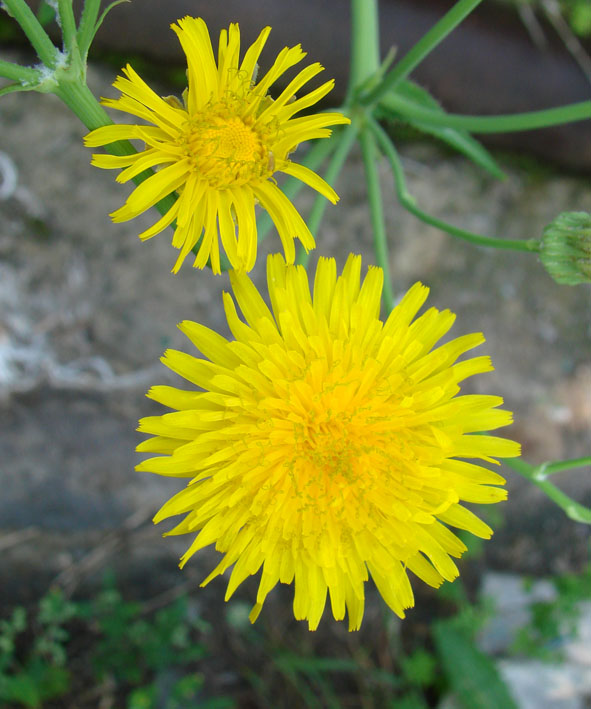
(471, 675)
(578, 13)
(29, 679)
(556, 620)
(135, 650)
(149, 658)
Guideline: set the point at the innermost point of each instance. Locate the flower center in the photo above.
(226, 150)
(330, 447)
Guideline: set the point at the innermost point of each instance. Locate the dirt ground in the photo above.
(86, 311)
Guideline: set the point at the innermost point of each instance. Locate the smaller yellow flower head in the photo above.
(220, 150)
(325, 445)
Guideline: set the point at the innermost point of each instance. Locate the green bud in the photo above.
(565, 249)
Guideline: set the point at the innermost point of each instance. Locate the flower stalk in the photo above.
(30, 25)
(345, 141)
(538, 475)
(365, 45)
(376, 210)
(421, 50)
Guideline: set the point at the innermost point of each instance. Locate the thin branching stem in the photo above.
(370, 155)
(560, 466)
(15, 72)
(31, 26)
(574, 510)
(365, 45)
(68, 24)
(344, 143)
(87, 25)
(421, 49)
(510, 123)
(408, 202)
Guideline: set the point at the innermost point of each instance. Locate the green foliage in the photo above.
(412, 700)
(35, 683)
(472, 676)
(409, 93)
(129, 645)
(579, 15)
(419, 668)
(552, 621)
(183, 695)
(41, 674)
(169, 657)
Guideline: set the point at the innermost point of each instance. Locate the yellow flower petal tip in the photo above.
(219, 150)
(324, 445)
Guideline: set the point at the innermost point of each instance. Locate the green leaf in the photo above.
(297, 663)
(419, 668)
(472, 676)
(459, 140)
(55, 608)
(412, 700)
(37, 683)
(580, 18)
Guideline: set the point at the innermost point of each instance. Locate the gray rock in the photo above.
(511, 603)
(539, 685)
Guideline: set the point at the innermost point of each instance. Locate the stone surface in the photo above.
(541, 685)
(511, 602)
(564, 683)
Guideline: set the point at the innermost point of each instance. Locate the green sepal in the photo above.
(565, 249)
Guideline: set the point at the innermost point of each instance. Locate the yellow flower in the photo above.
(220, 150)
(327, 445)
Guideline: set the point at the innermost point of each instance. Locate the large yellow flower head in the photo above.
(220, 150)
(327, 445)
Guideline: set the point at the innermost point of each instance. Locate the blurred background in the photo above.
(95, 611)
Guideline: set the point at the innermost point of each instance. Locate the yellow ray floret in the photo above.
(324, 446)
(220, 150)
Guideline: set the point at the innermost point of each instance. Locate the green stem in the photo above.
(574, 510)
(370, 155)
(30, 25)
(544, 470)
(68, 24)
(530, 120)
(365, 44)
(24, 74)
(87, 25)
(421, 49)
(408, 202)
(345, 142)
(79, 99)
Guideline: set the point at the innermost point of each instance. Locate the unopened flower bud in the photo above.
(565, 249)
